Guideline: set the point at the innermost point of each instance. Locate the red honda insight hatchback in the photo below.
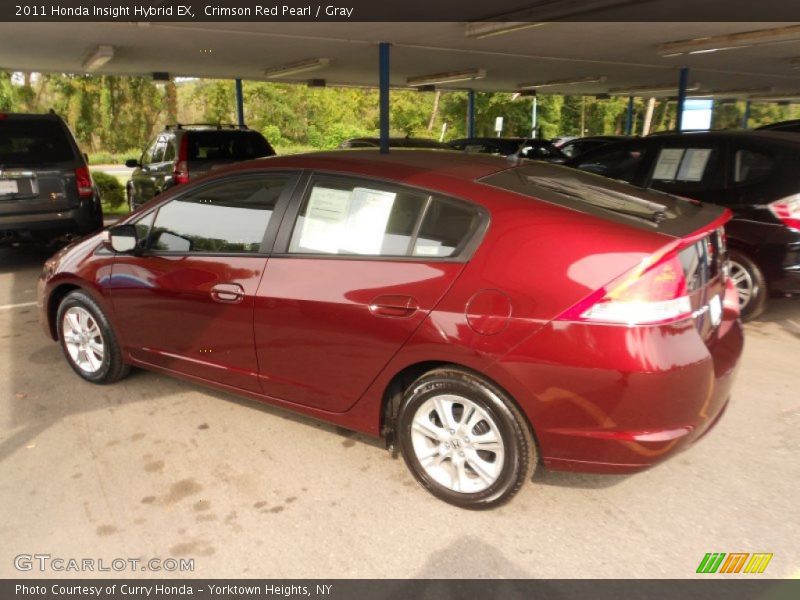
(484, 315)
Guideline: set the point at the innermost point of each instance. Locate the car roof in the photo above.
(398, 164)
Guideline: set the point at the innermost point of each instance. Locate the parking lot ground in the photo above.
(154, 467)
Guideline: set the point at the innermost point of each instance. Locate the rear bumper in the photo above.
(81, 220)
(619, 400)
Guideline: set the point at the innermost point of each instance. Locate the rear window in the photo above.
(27, 142)
(227, 145)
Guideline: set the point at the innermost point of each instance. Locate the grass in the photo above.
(113, 158)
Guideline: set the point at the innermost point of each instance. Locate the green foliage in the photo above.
(111, 191)
(7, 95)
(103, 157)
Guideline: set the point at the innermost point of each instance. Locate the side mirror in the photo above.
(122, 239)
(132, 163)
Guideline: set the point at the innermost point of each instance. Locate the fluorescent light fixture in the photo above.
(301, 66)
(788, 96)
(99, 56)
(449, 77)
(733, 93)
(481, 30)
(562, 82)
(733, 41)
(649, 90)
(795, 62)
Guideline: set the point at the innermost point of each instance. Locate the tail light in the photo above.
(655, 292)
(180, 174)
(787, 210)
(83, 180)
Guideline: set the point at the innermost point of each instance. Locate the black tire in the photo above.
(111, 368)
(520, 457)
(755, 280)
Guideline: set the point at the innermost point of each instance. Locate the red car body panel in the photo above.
(326, 336)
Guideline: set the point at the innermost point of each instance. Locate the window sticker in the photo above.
(323, 225)
(693, 165)
(667, 165)
(366, 221)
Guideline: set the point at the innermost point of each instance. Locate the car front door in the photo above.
(357, 267)
(185, 303)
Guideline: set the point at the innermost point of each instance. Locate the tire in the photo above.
(449, 461)
(750, 284)
(87, 340)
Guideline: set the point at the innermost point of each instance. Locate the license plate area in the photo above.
(8, 186)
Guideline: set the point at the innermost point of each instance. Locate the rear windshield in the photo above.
(27, 142)
(227, 145)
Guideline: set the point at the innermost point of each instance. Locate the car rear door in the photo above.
(692, 166)
(357, 267)
(186, 302)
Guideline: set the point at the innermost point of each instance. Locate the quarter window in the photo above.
(750, 166)
(225, 217)
(344, 217)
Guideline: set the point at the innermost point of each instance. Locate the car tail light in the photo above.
(655, 292)
(181, 172)
(83, 180)
(787, 210)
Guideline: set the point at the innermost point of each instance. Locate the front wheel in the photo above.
(88, 342)
(464, 440)
(750, 285)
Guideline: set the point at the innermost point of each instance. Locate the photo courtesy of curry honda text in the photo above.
(486, 316)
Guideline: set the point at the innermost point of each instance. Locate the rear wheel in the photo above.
(750, 285)
(464, 440)
(88, 342)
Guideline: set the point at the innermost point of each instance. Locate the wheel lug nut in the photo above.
(461, 453)
(452, 431)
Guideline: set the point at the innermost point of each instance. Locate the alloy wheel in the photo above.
(83, 339)
(745, 286)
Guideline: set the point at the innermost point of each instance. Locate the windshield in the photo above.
(27, 142)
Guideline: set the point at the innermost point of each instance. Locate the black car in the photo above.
(577, 146)
(792, 126)
(395, 142)
(182, 152)
(756, 174)
(46, 191)
(534, 149)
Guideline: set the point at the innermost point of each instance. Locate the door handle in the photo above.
(393, 306)
(228, 293)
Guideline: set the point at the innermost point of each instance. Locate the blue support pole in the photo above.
(629, 117)
(746, 116)
(683, 83)
(239, 103)
(470, 113)
(383, 86)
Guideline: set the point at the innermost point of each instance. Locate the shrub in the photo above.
(111, 191)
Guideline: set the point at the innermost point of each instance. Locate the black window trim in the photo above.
(267, 241)
(462, 254)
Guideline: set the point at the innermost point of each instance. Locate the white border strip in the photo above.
(10, 306)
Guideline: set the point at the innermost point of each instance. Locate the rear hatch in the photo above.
(38, 162)
(686, 278)
(211, 149)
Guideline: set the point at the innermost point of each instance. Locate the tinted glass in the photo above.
(346, 217)
(621, 163)
(158, 151)
(446, 226)
(749, 166)
(227, 217)
(227, 145)
(686, 165)
(28, 142)
(169, 151)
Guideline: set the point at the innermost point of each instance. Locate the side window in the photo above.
(345, 217)
(623, 163)
(147, 155)
(750, 166)
(158, 150)
(169, 150)
(230, 216)
(686, 165)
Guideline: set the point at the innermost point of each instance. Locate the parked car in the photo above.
(46, 191)
(482, 315)
(534, 149)
(578, 146)
(792, 126)
(755, 174)
(395, 142)
(182, 152)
